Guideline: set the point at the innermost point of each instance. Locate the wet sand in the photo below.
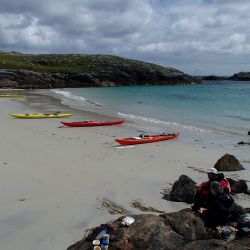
(55, 182)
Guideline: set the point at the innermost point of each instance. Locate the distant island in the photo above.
(30, 71)
(241, 76)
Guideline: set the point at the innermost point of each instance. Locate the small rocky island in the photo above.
(241, 76)
(77, 70)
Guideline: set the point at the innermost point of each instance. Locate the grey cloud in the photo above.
(117, 6)
(22, 23)
(173, 33)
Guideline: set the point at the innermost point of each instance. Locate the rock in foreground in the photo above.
(180, 230)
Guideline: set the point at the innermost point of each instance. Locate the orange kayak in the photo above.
(146, 139)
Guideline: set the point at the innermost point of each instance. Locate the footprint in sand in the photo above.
(22, 199)
(138, 204)
(112, 207)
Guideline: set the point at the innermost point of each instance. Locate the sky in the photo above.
(198, 37)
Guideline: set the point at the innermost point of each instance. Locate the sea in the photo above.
(215, 112)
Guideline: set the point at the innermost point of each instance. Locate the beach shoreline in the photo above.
(56, 182)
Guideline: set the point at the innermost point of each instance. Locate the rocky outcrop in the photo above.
(35, 80)
(243, 143)
(57, 71)
(228, 163)
(239, 186)
(214, 78)
(241, 76)
(183, 189)
(179, 230)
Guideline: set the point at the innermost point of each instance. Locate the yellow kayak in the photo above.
(39, 115)
(11, 95)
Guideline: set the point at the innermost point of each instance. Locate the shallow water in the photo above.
(220, 107)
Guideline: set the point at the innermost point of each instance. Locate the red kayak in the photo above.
(146, 139)
(92, 123)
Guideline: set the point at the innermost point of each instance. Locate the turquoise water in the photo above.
(220, 107)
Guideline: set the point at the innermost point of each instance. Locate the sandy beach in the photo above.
(55, 182)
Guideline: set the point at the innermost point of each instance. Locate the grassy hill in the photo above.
(77, 70)
(66, 63)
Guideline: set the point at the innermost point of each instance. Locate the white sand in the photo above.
(53, 180)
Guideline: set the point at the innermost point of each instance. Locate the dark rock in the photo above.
(242, 244)
(238, 211)
(147, 232)
(239, 187)
(150, 232)
(243, 143)
(228, 163)
(248, 133)
(7, 83)
(231, 181)
(214, 78)
(241, 76)
(183, 190)
(186, 224)
(180, 230)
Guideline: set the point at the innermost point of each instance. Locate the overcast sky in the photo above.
(199, 37)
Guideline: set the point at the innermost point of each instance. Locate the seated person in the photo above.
(219, 209)
(202, 194)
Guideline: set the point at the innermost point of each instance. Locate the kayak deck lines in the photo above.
(40, 115)
(146, 139)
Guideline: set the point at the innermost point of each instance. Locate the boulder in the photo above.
(242, 244)
(238, 211)
(186, 224)
(228, 163)
(248, 133)
(179, 230)
(239, 187)
(150, 232)
(184, 190)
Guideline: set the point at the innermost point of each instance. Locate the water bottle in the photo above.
(105, 242)
(100, 235)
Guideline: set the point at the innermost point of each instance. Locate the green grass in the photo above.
(68, 63)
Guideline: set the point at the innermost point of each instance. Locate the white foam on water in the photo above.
(69, 95)
(160, 122)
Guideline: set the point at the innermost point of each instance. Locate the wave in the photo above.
(69, 95)
(160, 122)
(242, 118)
